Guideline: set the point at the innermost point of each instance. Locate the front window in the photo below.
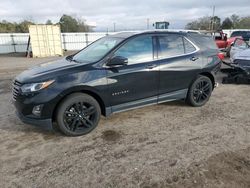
(137, 50)
(97, 50)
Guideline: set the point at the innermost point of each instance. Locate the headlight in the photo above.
(27, 88)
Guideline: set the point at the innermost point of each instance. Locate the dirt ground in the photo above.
(167, 145)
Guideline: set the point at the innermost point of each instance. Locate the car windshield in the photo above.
(97, 50)
(244, 34)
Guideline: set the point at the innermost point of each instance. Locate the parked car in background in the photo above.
(239, 49)
(117, 73)
(220, 40)
(245, 35)
(239, 71)
(219, 37)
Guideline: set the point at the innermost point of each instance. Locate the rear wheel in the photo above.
(200, 91)
(78, 114)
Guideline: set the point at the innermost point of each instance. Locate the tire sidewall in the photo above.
(73, 98)
(190, 98)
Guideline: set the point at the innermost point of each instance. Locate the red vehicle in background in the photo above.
(223, 42)
(220, 40)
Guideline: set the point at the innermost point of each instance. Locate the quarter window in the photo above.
(188, 46)
(170, 45)
(137, 50)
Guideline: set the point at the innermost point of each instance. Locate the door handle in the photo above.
(194, 58)
(151, 66)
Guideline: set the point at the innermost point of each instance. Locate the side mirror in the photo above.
(117, 61)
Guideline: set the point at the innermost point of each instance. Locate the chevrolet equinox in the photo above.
(117, 73)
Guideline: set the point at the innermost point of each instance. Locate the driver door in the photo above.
(136, 83)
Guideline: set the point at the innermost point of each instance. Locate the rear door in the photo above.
(180, 62)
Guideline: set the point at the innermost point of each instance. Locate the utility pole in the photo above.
(147, 23)
(114, 26)
(212, 28)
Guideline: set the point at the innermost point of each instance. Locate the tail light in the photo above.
(221, 56)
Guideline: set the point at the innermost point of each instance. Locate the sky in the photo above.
(126, 14)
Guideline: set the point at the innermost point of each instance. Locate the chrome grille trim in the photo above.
(16, 89)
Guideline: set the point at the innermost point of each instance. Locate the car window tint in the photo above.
(203, 41)
(137, 50)
(188, 46)
(244, 34)
(170, 45)
(95, 51)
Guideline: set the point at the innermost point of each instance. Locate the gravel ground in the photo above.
(166, 145)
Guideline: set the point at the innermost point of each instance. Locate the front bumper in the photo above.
(45, 123)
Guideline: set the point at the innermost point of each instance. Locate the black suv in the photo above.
(117, 73)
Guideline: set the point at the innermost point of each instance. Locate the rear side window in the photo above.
(203, 41)
(170, 45)
(137, 50)
(189, 48)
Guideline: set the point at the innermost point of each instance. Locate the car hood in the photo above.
(244, 54)
(45, 70)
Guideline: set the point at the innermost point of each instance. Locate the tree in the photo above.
(215, 23)
(23, 27)
(200, 24)
(235, 19)
(7, 27)
(68, 24)
(82, 27)
(244, 23)
(49, 22)
(227, 24)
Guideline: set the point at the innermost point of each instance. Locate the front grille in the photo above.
(16, 89)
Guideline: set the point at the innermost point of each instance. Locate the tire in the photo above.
(200, 91)
(78, 114)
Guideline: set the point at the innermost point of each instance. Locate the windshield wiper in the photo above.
(70, 58)
(75, 61)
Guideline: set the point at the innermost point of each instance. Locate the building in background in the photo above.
(161, 25)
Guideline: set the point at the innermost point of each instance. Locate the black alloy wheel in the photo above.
(78, 114)
(200, 91)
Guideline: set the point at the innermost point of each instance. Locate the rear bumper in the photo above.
(214, 72)
(45, 123)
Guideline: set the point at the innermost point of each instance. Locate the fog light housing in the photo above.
(37, 110)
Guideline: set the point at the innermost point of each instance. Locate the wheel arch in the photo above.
(210, 76)
(86, 90)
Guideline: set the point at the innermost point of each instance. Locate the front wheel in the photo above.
(78, 114)
(200, 91)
